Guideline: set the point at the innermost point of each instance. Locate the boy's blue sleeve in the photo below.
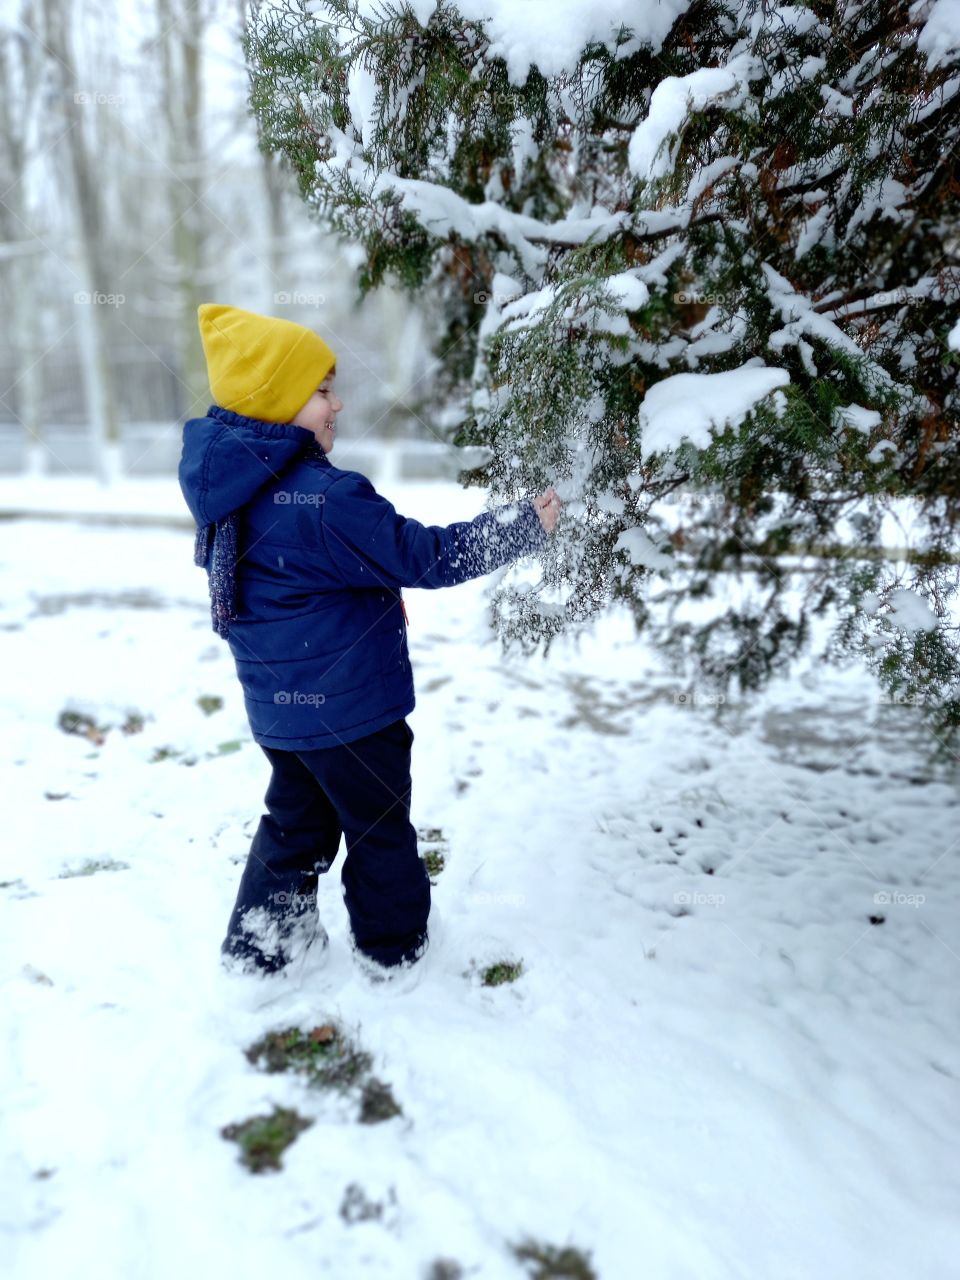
(372, 545)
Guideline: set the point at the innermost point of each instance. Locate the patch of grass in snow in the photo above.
(36, 975)
(263, 1139)
(84, 726)
(445, 1269)
(434, 844)
(434, 861)
(92, 866)
(357, 1207)
(209, 703)
(377, 1102)
(171, 753)
(503, 971)
(324, 1055)
(547, 1262)
(329, 1059)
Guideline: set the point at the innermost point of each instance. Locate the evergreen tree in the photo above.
(705, 284)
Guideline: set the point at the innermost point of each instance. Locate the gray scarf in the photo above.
(216, 551)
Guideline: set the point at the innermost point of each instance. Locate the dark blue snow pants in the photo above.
(360, 789)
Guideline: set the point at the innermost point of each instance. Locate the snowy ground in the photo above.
(712, 1065)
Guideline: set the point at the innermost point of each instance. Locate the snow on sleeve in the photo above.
(911, 611)
(648, 156)
(689, 405)
(941, 31)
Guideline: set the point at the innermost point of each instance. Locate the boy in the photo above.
(306, 564)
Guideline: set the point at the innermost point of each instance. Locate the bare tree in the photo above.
(22, 137)
(181, 26)
(95, 327)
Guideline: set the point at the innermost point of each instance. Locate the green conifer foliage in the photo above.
(579, 240)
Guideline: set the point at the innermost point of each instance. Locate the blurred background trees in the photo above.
(132, 188)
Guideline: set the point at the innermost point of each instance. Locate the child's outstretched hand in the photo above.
(548, 508)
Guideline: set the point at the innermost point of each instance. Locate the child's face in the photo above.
(319, 414)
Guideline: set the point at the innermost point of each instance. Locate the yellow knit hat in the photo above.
(259, 366)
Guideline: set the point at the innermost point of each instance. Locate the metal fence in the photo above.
(378, 436)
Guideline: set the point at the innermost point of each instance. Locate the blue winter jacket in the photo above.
(319, 637)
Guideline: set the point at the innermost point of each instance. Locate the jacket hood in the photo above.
(228, 458)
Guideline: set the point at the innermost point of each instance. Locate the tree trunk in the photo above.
(20, 62)
(94, 311)
(181, 26)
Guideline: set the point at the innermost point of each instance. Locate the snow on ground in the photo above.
(713, 1065)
